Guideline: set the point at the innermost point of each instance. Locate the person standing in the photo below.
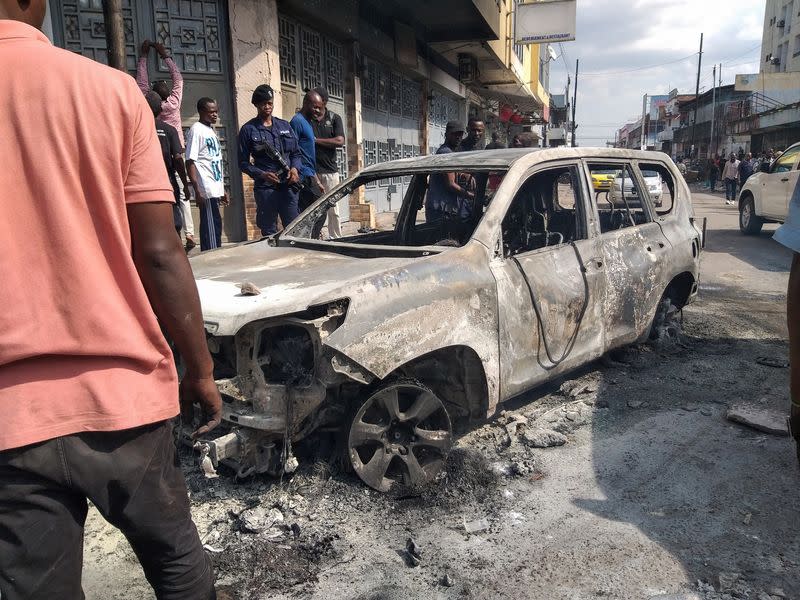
(444, 193)
(475, 139)
(92, 272)
(275, 191)
(713, 174)
(731, 177)
(204, 166)
(788, 234)
(301, 124)
(496, 143)
(171, 98)
(746, 168)
(329, 136)
(172, 153)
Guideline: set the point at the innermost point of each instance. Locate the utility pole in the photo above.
(567, 126)
(574, 102)
(713, 112)
(697, 92)
(642, 138)
(115, 34)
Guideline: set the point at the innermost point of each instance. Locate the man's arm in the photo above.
(454, 187)
(176, 96)
(793, 321)
(169, 283)
(141, 68)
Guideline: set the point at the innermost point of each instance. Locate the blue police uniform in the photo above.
(271, 199)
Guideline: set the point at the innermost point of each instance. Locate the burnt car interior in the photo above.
(623, 211)
(544, 212)
(410, 228)
(664, 206)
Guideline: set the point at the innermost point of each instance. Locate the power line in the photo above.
(671, 62)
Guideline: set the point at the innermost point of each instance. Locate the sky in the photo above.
(619, 42)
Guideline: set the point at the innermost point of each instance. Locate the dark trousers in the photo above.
(274, 201)
(134, 480)
(712, 182)
(730, 189)
(210, 225)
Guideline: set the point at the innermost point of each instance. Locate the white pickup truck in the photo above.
(765, 197)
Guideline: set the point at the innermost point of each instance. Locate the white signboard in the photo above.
(545, 21)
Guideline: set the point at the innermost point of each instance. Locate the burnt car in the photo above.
(392, 337)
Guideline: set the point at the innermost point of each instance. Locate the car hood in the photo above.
(290, 280)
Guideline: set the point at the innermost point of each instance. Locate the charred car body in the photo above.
(394, 336)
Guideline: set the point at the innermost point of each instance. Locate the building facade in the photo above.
(780, 43)
(396, 74)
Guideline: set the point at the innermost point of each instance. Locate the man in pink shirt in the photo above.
(171, 98)
(92, 271)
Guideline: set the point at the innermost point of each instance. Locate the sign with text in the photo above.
(545, 21)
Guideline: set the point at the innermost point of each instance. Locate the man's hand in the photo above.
(145, 49)
(271, 177)
(202, 391)
(224, 200)
(162, 51)
(294, 176)
(198, 197)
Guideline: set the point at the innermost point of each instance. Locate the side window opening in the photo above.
(618, 197)
(660, 186)
(546, 211)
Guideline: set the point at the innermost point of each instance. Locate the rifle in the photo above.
(278, 158)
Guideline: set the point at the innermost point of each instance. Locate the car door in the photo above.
(779, 184)
(549, 274)
(633, 248)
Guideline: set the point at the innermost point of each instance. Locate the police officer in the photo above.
(275, 189)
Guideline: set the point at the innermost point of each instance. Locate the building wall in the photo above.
(254, 57)
(781, 42)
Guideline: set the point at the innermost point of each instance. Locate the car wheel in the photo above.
(666, 325)
(401, 434)
(749, 222)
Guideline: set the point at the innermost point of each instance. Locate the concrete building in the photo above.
(396, 71)
(780, 42)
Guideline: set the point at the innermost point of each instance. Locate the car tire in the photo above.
(749, 222)
(388, 446)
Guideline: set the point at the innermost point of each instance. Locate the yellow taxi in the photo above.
(602, 179)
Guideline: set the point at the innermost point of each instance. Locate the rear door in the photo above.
(633, 248)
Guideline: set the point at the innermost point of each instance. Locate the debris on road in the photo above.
(249, 289)
(259, 518)
(448, 581)
(543, 438)
(759, 419)
(771, 361)
(477, 526)
(413, 553)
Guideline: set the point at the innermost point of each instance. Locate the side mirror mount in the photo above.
(764, 167)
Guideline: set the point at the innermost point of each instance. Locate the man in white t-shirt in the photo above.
(204, 167)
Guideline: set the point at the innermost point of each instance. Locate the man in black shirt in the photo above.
(475, 136)
(329, 135)
(172, 152)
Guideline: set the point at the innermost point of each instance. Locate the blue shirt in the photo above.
(441, 197)
(788, 234)
(280, 136)
(305, 135)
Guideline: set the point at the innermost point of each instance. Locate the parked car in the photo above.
(765, 197)
(602, 180)
(393, 336)
(652, 181)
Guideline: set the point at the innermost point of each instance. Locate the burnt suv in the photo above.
(394, 334)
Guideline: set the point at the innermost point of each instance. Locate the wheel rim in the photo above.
(746, 214)
(401, 434)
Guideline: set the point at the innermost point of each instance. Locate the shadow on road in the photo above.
(719, 497)
(759, 251)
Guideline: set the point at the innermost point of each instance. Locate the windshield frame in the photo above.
(289, 237)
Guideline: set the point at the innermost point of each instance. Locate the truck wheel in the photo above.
(749, 222)
(400, 434)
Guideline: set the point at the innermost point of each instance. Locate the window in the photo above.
(660, 186)
(619, 199)
(546, 211)
(785, 161)
(406, 222)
